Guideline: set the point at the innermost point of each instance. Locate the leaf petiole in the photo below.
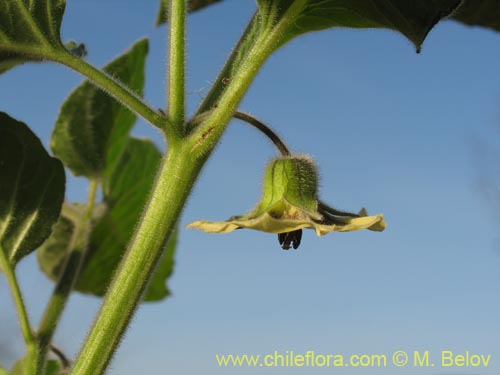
(113, 87)
(22, 314)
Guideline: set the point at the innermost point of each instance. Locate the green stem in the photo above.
(252, 121)
(177, 175)
(204, 138)
(173, 185)
(22, 314)
(69, 275)
(113, 87)
(231, 64)
(266, 130)
(176, 77)
(63, 360)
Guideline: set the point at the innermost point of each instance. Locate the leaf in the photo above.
(31, 189)
(53, 367)
(113, 227)
(52, 254)
(414, 19)
(193, 5)
(7, 64)
(484, 13)
(92, 128)
(157, 289)
(29, 31)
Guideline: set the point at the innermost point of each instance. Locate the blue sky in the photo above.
(402, 134)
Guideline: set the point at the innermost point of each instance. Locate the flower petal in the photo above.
(264, 223)
(267, 223)
(213, 227)
(375, 223)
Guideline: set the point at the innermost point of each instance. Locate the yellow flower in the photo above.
(290, 203)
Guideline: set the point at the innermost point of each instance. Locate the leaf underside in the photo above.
(92, 128)
(53, 367)
(113, 226)
(29, 31)
(413, 19)
(484, 13)
(31, 189)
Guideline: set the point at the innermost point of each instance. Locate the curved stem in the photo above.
(22, 314)
(249, 120)
(176, 95)
(65, 362)
(67, 279)
(113, 87)
(267, 131)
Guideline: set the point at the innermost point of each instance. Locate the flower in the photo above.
(289, 203)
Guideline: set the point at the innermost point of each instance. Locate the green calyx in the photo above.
(292, 180)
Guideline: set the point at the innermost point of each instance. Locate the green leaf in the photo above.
(112, 226)
(3, 371)
(414, 19)
(484, 13)
(31, 190)
(92, 128)
(53, 367)
(29, 31)
(7, 64)
(193, 5)
(157, 289)
(52, 254)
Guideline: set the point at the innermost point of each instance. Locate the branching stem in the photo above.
(252, 121)
(180, 169)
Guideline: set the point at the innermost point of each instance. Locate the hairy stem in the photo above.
(113, 87)
(65, 362)
(69, 275)
(173, 185)
(176, 76)
(177, 175)
(252, 121)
